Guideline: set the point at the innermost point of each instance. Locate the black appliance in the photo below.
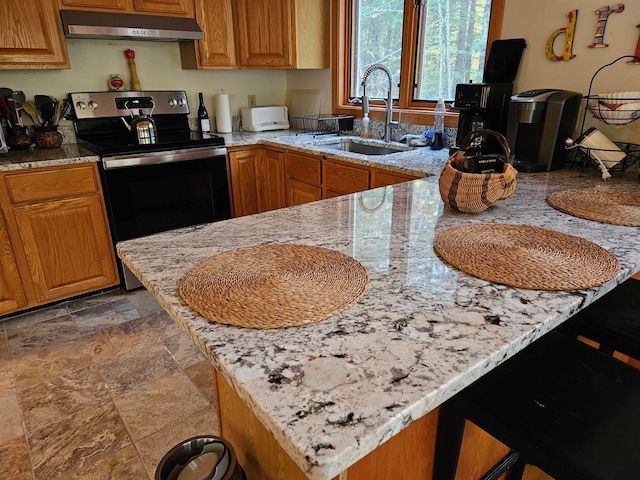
(179, 180)
(486, 105)
(539, 123)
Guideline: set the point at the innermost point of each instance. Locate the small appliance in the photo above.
(485, 106)
(261, 119)
(539, 122)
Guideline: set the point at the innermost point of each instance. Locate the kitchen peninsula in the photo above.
(333, 392)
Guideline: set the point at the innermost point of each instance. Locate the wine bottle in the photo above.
(203, 118)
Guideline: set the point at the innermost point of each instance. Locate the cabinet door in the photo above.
(300, 192)
(67, 246)
(270, 180)
(217, 48)
(264, 33)
(172, 7)
(12, 296)
(31, 35)
(243, 181)
(98, 4)
(341, 177)
(168, 7)
(382, 178)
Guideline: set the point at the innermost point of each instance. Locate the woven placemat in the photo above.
(599, 204)
(526, 257)
(272, 286)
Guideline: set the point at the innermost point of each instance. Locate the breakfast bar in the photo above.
(357, 394)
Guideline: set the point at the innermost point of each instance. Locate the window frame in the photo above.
(417, 112)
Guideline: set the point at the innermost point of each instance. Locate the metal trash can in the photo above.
(200, 458)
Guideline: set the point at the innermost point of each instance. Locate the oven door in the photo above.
(146, 197)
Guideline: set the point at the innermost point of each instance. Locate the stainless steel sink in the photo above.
(350, 145)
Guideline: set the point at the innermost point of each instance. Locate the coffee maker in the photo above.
(539, 123)
(486, 105)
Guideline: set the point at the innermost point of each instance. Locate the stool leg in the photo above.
(448, 443)
(517, 471)
(508, 461)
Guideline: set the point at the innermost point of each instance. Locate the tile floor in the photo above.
(98, 388)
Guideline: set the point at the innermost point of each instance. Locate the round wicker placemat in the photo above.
(272, 286)
(526, 257)
(599, 204)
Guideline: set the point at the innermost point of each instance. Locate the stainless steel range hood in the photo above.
(81, 24)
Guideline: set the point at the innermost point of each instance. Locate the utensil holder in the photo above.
(47, 137)
(18, 138)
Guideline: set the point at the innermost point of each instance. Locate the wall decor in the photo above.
(603, 15)
(568, 32)
(636, 59)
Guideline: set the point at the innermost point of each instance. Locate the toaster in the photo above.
(260, 119)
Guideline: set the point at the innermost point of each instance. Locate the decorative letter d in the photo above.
(568, 31)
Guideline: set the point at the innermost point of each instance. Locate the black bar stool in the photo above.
(613, 320)
(560, 405)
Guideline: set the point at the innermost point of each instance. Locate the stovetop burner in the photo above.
(100, 127)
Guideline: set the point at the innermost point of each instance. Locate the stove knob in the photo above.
(173, 102)
(181, 102)
(81, 105)
(93, 105)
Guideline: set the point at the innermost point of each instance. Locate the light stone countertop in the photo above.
(333, 391)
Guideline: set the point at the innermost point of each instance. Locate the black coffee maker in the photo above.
(486, 105)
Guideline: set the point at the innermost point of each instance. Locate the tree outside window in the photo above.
(429, 46)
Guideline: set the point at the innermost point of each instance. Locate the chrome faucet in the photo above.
(389, 123)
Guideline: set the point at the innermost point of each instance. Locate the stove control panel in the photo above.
(123, 104)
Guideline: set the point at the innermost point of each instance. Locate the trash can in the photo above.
(200, 458)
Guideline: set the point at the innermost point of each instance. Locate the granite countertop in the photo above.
(413, 161)
(333, 391)
(67, 154)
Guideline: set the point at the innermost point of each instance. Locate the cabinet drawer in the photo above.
(303, 167)
(382, 178)
(343, 178)
(46, 184)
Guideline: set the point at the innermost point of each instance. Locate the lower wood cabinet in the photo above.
(303, 178)
(11, 292)
(265, 179)
(55, 240)
(257, 180)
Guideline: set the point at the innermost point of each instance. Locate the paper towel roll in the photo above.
(223, 113)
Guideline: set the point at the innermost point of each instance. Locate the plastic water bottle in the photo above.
(438, 126)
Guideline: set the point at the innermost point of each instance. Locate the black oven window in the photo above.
(155, 198)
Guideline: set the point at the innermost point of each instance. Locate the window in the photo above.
(429, 46)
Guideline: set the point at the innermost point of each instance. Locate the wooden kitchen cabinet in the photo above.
(11, 292)
(31, 36)
(341, 178)
(180, 8)
(260, 34)
(257, 180)
(57, 225)
(303, 178)
(382, 178)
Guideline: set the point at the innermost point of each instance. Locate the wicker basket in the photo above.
(475, 192)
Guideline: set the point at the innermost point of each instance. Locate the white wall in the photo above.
(158, 66)
(536, 20)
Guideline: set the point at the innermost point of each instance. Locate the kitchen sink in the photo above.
(351, 145)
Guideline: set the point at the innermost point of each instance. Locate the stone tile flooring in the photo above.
(98, 388)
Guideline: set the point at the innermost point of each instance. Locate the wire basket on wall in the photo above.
(321, 123)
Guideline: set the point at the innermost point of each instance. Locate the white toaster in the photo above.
(260, 119)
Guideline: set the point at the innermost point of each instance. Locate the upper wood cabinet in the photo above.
(31, 36)
(260, 34)
(181, 8)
